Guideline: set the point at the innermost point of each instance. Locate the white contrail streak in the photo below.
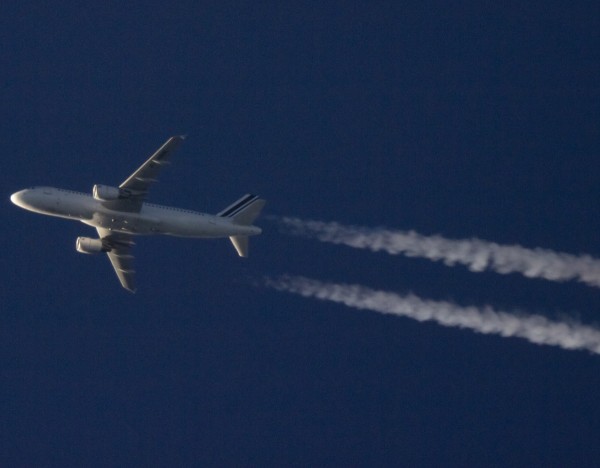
(478, 255)
(534, 328)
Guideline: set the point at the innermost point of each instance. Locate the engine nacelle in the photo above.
(87, 245)
(107, 193)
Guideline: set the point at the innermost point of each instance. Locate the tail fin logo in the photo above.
(237, 206)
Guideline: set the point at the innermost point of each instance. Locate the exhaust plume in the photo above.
(476, 254)
(534, 328)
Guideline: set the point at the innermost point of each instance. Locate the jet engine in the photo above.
(87, 245)
(107, 193)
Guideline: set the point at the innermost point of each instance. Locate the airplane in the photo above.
(121, 213)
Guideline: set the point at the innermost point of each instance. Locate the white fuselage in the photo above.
(151, 219)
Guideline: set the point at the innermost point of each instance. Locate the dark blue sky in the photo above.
(463, 120)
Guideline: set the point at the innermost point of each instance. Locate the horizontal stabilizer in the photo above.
(243, 212)
(241, 245)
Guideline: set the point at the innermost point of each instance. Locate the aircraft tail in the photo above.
(243, 211)
(240, 243)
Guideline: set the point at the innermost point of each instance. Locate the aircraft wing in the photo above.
(138, 183)
(120, 255)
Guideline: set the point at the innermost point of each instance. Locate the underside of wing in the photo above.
(137, 184)
(119, 247)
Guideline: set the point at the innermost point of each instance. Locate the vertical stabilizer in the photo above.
(243, 211)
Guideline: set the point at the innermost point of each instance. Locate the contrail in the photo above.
(478, 255)
(534, 328)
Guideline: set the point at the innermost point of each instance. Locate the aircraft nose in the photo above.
(18, 198)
